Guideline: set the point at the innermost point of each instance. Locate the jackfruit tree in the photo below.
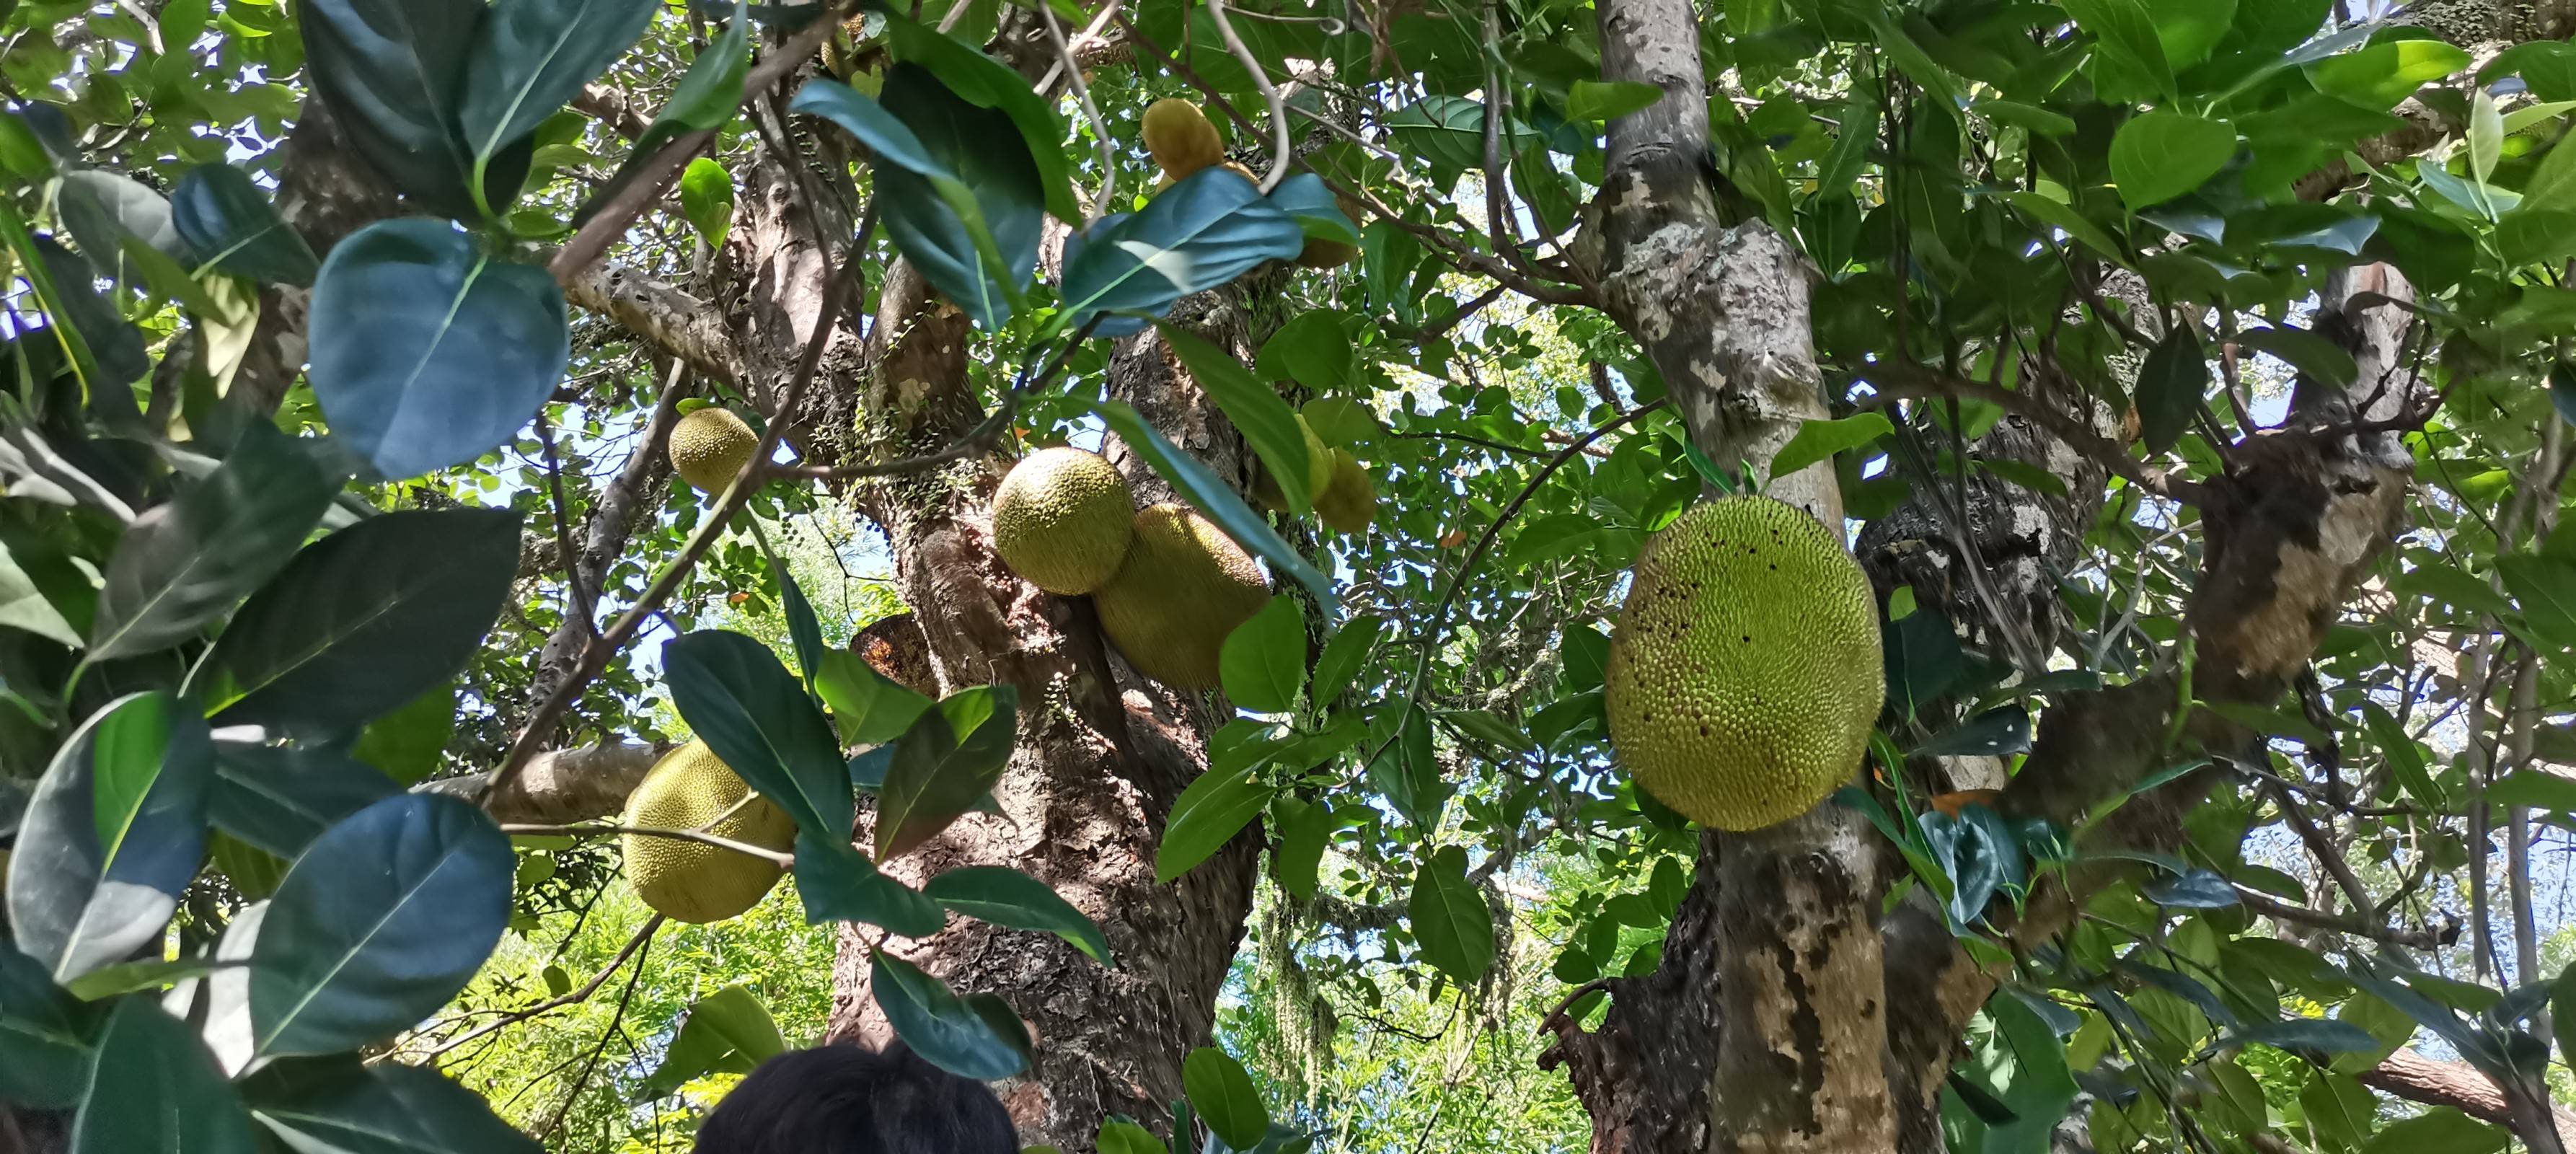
(1783, 575)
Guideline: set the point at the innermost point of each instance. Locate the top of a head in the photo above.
(848, 1099)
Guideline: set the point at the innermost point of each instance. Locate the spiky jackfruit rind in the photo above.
(709, 446)
(1062, 520)
(1184, 587)
(1349, 503)
(692, 881)
(1181, 137)
(1745, 670)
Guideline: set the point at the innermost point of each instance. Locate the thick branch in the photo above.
(2416, 1078)
(562, 786)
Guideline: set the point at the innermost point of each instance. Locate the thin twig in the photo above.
(1090, 32)
(578, 596)
(1898, 382)
(1090, 111)
(1279, 148)
(2421, 937)
(615, 1020)
(777, 858)
(643, 935)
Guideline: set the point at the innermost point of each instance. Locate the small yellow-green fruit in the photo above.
(1185, 586)
(1320, 253)
(1319, 462)
(693, 881)
(1062, 520)
(1350, 502)
(709, 446)
(1180, 137)
(1745, 669)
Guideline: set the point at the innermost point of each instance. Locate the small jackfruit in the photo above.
(1062, 520)
(1180, 137)
(1319, 474)
(709, 446)
(1745, 670)
(693, 881)
(1349, 503)
(1184, 587)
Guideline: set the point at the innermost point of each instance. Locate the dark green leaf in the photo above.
(2322, 1035)
(280, 799)
(427, 353)
(1313, 350)
(984, 82)
(106, 349)
(183, 563)
(2305, 351)
(1407, 773)
(392, 71)
(1340, 661)
(1264, 659)
(407, 743)
(369, 618)
(2195, 889)
(1998, 731)
(383, 919)
(726, 1032)
(2164, 154)
(1606, 100)
(746, 706)
(1450, 918)
(42, 592)
(526, 59)
(1299, 831)
(102, 209)
(941, 1027)
(1198, 234)
(232, 226)
(338, 1105)
(1213, 497)
(1215, 807)
(112, 836)
(2379, 76)
(702, 102)
(1255, 409)
(2545, 589)
(44, 1037)
(1224, 1097)
(1449, 131)
(2532, 787)
(2123, 31)
(2171, 386)
(1820, 440)
(949, 760)
(838, 883)
(2562, 1012)
(1007, 897)
(1304, 196)
(166, 1096)
(2441, 1130)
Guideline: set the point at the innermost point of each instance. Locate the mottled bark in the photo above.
(562, 786)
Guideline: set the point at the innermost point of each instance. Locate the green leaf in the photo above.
(102, 209)
(338, 1105)
(2486, 136)
(2441, 1130)
(866, 707)
(755, 716)
(1224, 1097)
(2532, 787)
(704, 101)
(161, 1091)
(1213, 497)
(280, 799)
(941, 1027)
(1255, 409)
(427, 353)
(2171, 386)
(1118, 1136)
(1449, 916)
(45, 1054)
(1313, 350)
(706, 198)
(1405, 770)
(943, 766)
(392, 72)
(838, 883)
(1007, 897)
(2545, 589)
(369, 618)
(1820, 440)
(2562, 1012)
(2381, 75)
(1340, 421)
(1198, 234)
(1264, 660)
(112, 836)
(2324, 1035)
(2163, 154)
(381, 921)
(1349, 646)
(1449, 131)
(407, 742)
(984, 82)
(1600, 100)
(2188, 29)
(726, 1032)
(2305, 351)
(233, 227)
(1299, 832)
(527, 58)
(1215, 807)
(2043, 121)
(2123, 32)
(1302, 195)
(2063, 217)
(1998, 731)
(183, 563)
(27, 599)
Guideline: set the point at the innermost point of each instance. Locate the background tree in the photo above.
(2187, 376)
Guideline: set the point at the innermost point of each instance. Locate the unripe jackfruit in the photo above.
(692, 881)
(1319, 474)
(1062, 520)
(1350, 502)
(709, 446)
(1180, 137)
(1745, 671)
(1185, 586)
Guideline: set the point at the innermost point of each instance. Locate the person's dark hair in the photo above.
(848, 1099)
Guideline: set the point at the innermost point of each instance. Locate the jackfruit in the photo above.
(1184, 587)
(1062, 520)
(1745, 669)
(1321, 253)
(692, 881)
(1349, 503)
(1319, 474)
(709, 446)
(1180, 137)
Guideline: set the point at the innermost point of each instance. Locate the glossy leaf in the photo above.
(949, 760)
(1821, 440)
(1304, 196)
(1007, 897)
(369, 619)
(342, 1106)
(706, 198)
(166, 1095)
(383, 919)
(1256, 410)
(1223, 1094)
(1200, 233)
(1209, 813)
(1213, 497)
(230, 223)
(838, 883)
(1343, 653)
(1995, 732)
(45, 1047)
(940, 1026)
(984, 82)
(2305, 351)
(726, 1032)
(2195, 889)
(112, 836)
(867, 708)
(427, 353)
(755, 716)
(2171, 386)
(393, 71)
(2383, 74)
(102, 209)
(280, 799)
(527, 58)
(185, 562)
(2123, 31)
(2164, 154)
(1449, 916)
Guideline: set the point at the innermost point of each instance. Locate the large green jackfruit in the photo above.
(1185, 586)
(693, 881)
(1745, 670)
(1062, 520)
(709, 446)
